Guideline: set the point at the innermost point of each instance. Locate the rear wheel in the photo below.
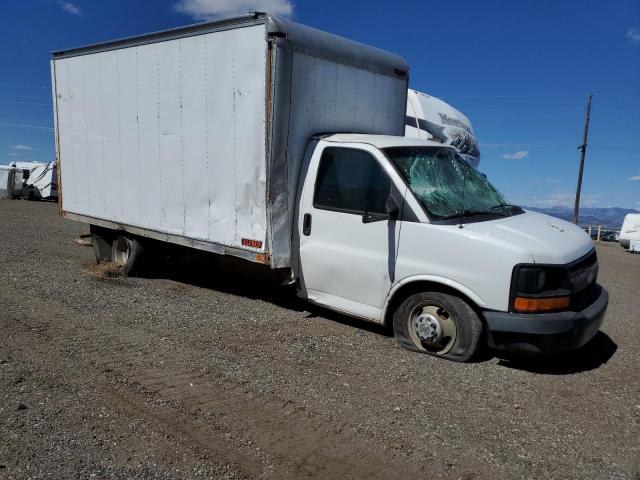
(125, 253)
(102, 242)
(439, 324)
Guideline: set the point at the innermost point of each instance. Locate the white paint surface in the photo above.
(168, 136)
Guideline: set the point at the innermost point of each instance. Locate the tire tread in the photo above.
(468, 323)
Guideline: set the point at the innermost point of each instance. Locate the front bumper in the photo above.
(547, 332)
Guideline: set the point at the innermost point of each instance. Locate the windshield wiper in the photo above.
(503, 205)
(513, 209)
(470, 213)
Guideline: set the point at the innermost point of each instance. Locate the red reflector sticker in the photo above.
(251, 243)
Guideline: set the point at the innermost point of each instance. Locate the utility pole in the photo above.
(583, 148)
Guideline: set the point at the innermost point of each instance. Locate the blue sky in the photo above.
(520, 70)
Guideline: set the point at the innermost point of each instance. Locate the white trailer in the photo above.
(38, 180)
(7, 180)
(431, 118)
(281, 144)
(630, 230)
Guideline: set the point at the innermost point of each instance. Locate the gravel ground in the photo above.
(201, 375)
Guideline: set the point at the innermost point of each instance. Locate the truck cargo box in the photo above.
(196, 135)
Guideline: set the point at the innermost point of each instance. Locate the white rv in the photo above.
(630, 229)
(7, 180)
(264, 139)
(431, 118)
(35, 180)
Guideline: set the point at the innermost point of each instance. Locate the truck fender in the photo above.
(446, 282)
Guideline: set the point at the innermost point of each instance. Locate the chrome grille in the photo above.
(584, 272)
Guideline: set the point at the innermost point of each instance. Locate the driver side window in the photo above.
(351, 181)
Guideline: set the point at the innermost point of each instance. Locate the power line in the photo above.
(26, 103)
(523, 144)
(26, 126)
(24, 85)
(536, 95)
(39, 97)
(538, 116)
(525, 95)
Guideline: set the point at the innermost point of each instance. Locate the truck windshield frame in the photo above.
(447, 187)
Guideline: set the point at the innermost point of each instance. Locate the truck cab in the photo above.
(405, 231)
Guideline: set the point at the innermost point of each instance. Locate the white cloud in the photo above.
(563, 198)
(22, 147)
(549, 181)
(590, 200)
(209, 9)
(519, 155)
(13, 154)
(70, 8)
(556, 199)
(633, 35)
(635, 178)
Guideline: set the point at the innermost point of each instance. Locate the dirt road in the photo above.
(201, 375)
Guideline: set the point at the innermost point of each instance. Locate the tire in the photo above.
(126, 253)
(102, 242)
(438, 324)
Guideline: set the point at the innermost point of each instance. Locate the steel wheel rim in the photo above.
(122, 252)
(432, 328)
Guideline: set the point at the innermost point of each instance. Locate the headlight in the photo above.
(531, 280)
(540, 288)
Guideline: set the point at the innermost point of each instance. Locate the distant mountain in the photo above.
(611, 217)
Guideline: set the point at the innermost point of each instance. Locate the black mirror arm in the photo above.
(374, 217)
(391, 214)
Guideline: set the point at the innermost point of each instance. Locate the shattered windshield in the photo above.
(446, 185)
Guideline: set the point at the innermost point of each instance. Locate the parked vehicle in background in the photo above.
(260, 138)
(630, 229)
(16, 178)
(431, 118)
(609, 236)
(7, 180)
(34, 180)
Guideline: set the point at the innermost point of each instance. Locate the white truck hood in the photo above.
(547, 239)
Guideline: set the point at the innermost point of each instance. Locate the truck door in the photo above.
(345, 263)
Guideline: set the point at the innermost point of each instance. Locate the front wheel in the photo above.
(439, 324)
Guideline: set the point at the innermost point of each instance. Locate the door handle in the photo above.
(306, 224)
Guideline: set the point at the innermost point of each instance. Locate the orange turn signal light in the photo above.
(540, 304)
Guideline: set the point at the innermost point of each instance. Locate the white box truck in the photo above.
(264, 139)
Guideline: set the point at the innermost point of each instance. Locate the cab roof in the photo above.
(381, 141)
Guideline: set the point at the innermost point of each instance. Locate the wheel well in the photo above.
(424, 286)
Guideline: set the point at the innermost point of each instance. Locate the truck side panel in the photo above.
(325, 96)
(168, 136)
